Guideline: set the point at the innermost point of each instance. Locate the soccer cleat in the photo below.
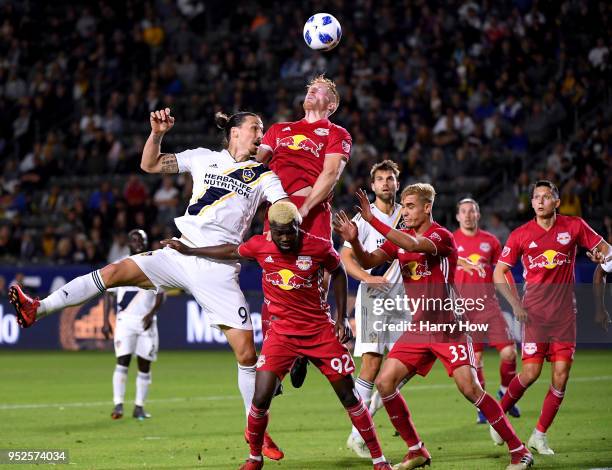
(269, 448)
(539, 444)
(376, 403)
(497, 439)
(252, 464)
(117, 411)
(298, 372)
(514, 411)
(25, 307)
(383, 466)
(480, 418)
(414, 459)
(356, 443)
(520, 460)
(140, 413)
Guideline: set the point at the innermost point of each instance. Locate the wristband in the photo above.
(607, 266)
(379, 226)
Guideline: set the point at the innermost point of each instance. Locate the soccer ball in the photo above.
(322, 32)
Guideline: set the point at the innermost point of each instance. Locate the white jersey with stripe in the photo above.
(371, 239)
(134, 301)
(226, 195)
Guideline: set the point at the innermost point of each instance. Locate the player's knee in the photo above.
(124, 360)
(347, 396)
(262, 399)
(471, 390)
(144, 365)
(508, 354)
(111, 273)
(559, 380)
(246, 357)
(529, 376)
(385, 385)
(369, 370)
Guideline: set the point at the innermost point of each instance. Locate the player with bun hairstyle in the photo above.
(228, 187)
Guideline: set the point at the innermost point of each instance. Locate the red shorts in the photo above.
(317, 222)
(421, 357)
(323, 349)
(552, 352)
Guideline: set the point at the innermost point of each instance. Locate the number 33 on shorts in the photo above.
(459, 353)
(343, 364)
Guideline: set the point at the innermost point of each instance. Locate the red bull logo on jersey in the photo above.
(304, 263)
(417, 270)
(564, 238)
(300, 142)
(475, 258)
(287, 280)
(550, 259)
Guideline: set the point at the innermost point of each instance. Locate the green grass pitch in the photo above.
(63, 400)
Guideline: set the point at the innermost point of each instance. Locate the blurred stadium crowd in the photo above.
(477, 97)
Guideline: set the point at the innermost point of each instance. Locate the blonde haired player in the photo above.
(228, 187)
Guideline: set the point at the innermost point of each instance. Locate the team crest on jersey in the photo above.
(304, 262)
(530, 348)
(506, 251)
(564, 238)
(261, 360)
(248, 175)
(435, 236)
(321, 131)
(486, 247)
(346, 146)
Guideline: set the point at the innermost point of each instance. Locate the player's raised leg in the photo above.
(243, 345)
(392, 373)
(77, 291)
(470, 388)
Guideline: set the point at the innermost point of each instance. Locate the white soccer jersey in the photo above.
(371, 239)
(226, 195)
(134, 301)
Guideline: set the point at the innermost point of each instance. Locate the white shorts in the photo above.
(378, 343)
(131, 338)
(213, 284)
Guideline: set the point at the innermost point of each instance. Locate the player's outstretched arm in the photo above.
(339, 284)
(225, 251)
(332, 169)
(347, 229)
(153, 161)
(503, 286)
(401, 239)
(602, 318)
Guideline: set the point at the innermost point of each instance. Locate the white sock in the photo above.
(119, 379)
(380, 459)
(539, 433)
(143, 380)
(503, 389)
(76, 292)
(246, 384)
(365, 389)
(416, 446)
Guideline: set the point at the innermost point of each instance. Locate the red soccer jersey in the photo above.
(548, 258)
(299, 149)
(293, 284)
(428, 275)
(483, 248)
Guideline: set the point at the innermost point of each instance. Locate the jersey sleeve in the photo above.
(340, 141)
(495, 250)
(587, 237)
(250, 248)
(332, 259)
(269, 139)
(512, 251)
(185, 160)
(443, 241)
(390, 248)
(272, 188)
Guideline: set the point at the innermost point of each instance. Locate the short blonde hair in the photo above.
(329, 83)
(284, 213)
(425, 191)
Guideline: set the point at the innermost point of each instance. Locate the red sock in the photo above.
(361, 419)
(400, 418)
(480, 375)
(551, 405)
(497, 418)
(507, 371)
(513, 394)
(257, 422)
